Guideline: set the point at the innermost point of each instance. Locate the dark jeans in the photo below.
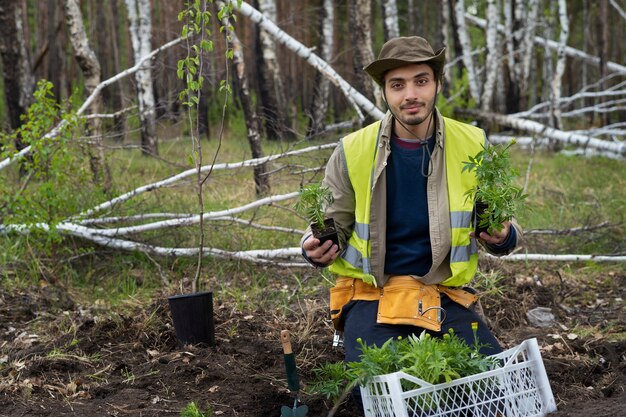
(360, 322)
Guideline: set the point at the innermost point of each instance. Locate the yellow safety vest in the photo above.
(360, 149)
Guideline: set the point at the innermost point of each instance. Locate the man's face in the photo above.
(410, 92)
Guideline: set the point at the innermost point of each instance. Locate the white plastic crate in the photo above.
(518, 388)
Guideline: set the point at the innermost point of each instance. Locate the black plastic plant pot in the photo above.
(328, 232)
(479, 209)
(192, 315)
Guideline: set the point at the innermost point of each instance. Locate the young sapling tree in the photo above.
(311, 204)
(496, 197)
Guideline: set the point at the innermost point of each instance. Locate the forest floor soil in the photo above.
(58, 358)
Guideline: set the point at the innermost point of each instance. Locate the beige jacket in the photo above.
(343, 207)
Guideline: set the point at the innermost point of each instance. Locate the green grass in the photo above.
(564, 192)
(569, 192)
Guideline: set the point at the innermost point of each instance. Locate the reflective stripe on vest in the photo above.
(360, 151)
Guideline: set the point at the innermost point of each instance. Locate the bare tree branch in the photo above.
(59, 127)
(569, 51)
(171, 180)
(618, 8)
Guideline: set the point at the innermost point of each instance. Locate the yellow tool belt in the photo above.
(403, 300)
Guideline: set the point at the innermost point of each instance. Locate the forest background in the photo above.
(104, 168)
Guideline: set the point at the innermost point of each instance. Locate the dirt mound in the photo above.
(61, 359)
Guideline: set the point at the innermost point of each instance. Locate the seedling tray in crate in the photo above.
(517, 387)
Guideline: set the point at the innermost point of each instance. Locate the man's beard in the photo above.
(417, 119)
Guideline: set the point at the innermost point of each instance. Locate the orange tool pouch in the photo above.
(403, 300)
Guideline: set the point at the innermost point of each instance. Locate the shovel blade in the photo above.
(300, 411)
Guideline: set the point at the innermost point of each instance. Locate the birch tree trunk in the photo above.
(90, 66)
(527, 51)
(140, 28)
(445, 35)
(19, 82)
(261, 179)
(603, 46)
(356, 99)
(272, 93)
(555, 86)
(512, 18)
(321, 92)
(547, 67)
(550, 44)
(390, 12)
(411, 15)
(493, 55)
(466, 47)
(359, 17)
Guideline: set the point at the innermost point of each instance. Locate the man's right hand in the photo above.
(321, 254)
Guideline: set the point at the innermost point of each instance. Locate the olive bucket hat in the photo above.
(405, 50)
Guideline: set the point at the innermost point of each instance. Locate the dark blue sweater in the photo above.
(408, 237)
(408, 234)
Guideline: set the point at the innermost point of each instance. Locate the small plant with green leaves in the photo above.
(311, 204)
(192, 410)
(431, 359)
(313, 200)
(496, 197)
(54, 180)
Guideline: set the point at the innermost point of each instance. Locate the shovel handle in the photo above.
(285, 339)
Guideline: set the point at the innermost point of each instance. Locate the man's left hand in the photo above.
(498, 236)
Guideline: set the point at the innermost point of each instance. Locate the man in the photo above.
(407, 250)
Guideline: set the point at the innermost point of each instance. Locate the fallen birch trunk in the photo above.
(192, 220)
(548, 132)
(569, 51)
(277, 257)
(96, 92)
(559, 258)
(178, 177)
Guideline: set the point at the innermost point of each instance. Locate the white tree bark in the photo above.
(390, 10)
(304, 52)
(17, 73)
(195, 219)
(547, 43)
(55, 131)
(560, 258)
(527, 43)
(617, 7)
(613, 91)
(547, 67)
(261, 181)
(510, 17)
(90, 66)
(551, 133)
(493, 55)
(466, 46)
(555, 111)
(319, 102)
(273, 99)
(107, 205)
(360, 28)
(140, 35)
(445, 34)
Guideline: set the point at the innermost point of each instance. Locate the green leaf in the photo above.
(206, 46)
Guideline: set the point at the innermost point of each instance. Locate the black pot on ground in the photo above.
(479, 208)
(192, 315)
(328, 232)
